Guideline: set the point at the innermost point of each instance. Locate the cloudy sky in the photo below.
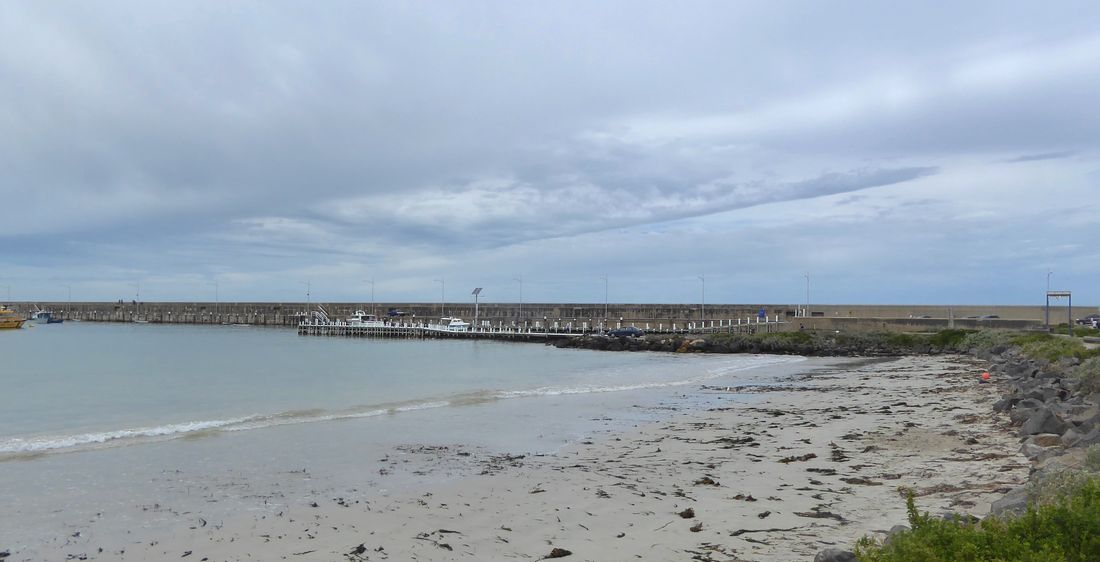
(896, 153)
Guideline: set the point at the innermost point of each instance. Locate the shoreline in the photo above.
(814, 460)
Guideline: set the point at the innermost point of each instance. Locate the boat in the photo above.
(449, 324)
(54, 319)
(363, 320)
(40, 316)
(10, 318)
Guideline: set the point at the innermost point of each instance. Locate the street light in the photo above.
(68, 307)
(308, 288)
(703, 301)
(807, 276)
(604, 298)
(520, 280)
(476, 292)
(216, 299)
(371, 281)
(442, 297)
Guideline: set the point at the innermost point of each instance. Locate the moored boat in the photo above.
(10, 318)
(454, 325)
(364, 320)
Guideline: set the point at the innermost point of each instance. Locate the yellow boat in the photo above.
(10, 318)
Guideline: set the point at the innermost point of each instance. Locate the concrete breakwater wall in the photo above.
(822, 317)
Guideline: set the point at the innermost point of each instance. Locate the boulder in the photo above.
(1087, 439)
(1005, 404)
(1070, 437)
(833, 554)
(1045, 440)
(1020, 415)
(1043, 421)
(1013, 503)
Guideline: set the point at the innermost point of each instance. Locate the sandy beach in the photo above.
(818, 460)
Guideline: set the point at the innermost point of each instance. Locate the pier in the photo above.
(319, 323)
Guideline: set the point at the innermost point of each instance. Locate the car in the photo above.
(990, 317)
(627, 332)
(1089, 320)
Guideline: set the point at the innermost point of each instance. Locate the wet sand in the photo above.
(819, 460)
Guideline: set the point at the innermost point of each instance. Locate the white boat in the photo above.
(364, 320)
(454, 325)
(41, 316)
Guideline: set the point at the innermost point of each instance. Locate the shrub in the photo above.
(950, 339)
(1062, 530)
(1092, 458)
(1088, 375)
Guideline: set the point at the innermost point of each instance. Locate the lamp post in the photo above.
(604, 299)
(217, 300)
(703, 301)
(308, 288)
(442, 297)
(69, 306)
(371, 282)
(520, 281)
(476, 292)
(807, 276)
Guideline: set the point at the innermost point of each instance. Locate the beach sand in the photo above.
(818, 460)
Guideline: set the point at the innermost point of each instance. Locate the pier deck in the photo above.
(537, 332)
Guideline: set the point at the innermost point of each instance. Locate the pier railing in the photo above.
(537, 330)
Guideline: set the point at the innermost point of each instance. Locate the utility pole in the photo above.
(69, 307)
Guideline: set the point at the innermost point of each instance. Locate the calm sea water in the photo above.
(93, 416)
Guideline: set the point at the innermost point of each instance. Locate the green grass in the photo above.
(1051, 347)
(1063, 530)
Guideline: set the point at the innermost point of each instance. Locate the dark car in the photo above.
(628, 332)
(1088, 320)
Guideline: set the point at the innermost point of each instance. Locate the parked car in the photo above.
(1089, 320)
(627, 332)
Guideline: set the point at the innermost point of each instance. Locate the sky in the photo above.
(940, 153)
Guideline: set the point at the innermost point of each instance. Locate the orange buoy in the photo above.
(985, 376)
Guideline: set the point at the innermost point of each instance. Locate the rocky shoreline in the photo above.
(1054, 416)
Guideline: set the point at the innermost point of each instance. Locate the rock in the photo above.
(1020, 415)
(1031, 450)
(1013, 503)
(834, 554)
(894, 531)
(558, 553)
(1005, 404)
(1070, 437)
(687, 513)
(1043, 421)
(1090, 438)
(1045, 440)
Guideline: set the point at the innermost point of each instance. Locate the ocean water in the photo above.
(98, 420)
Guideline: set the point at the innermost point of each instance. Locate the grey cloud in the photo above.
(1041, 156)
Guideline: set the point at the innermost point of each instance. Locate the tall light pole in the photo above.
(476, 293)
(371, 282)
(520, 280)
(217, 300)
(604, 298)
(69, 307)
(442, 296)
(308, 288)
(807, 276)
(703, 300)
